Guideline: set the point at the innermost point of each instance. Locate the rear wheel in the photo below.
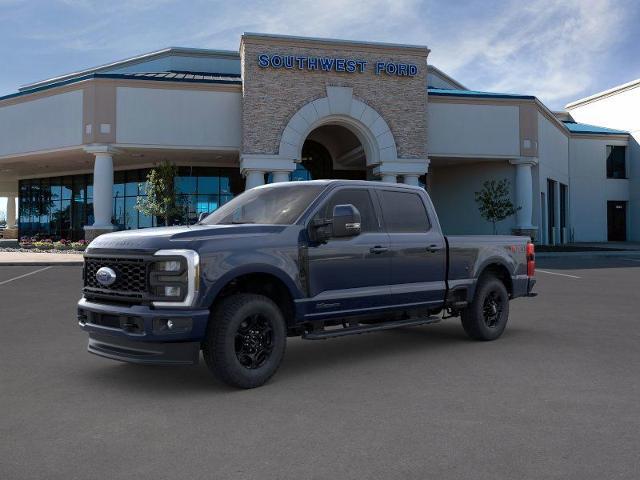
(486, 317)
(246, 340)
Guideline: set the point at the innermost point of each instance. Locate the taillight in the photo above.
(531, 260)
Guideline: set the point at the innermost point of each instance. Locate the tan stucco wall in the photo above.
(272, 96)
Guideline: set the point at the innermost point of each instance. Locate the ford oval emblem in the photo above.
(105, 276)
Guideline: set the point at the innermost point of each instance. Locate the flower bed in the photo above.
(46, 244)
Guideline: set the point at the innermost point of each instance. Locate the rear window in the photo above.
(404, 212)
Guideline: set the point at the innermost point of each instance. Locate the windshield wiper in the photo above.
(239, 222)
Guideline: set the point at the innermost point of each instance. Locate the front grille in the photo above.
(131, 278)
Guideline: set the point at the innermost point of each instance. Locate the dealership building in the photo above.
(75, 149)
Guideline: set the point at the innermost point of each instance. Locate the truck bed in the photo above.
(470, 254)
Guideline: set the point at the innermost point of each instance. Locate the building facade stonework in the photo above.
(271, 96)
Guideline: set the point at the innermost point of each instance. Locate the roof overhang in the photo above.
(145, 57)
(606, 93)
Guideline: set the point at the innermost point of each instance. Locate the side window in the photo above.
(404, 212)
(359, 198)
(616, 167)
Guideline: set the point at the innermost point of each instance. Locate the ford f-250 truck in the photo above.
(315, 259)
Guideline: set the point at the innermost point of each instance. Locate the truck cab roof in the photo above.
(361, 183)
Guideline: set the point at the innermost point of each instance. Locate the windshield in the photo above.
(281, 205)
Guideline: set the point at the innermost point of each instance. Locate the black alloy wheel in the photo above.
(492, 309)
(254, 341)
(485, 318)
(246, 340)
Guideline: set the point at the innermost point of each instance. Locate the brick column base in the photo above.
(9, 233)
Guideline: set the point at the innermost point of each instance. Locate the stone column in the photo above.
(411, 180)
(409, 169)
(254, 165)
(253, 178)
(280, 176)
(389, 178)
(524, 196)
(102, 191)
(11, 212)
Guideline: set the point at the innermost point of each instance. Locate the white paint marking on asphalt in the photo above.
(556, 273)
(25, 275)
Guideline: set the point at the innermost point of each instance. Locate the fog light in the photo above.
(169, 266)
(172, 325)
(172, 291)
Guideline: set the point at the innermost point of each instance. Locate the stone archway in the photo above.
(339, 107)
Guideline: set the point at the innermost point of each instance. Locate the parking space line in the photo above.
(25, 275)
(556, 273)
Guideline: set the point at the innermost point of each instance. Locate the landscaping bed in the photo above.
(47, 245)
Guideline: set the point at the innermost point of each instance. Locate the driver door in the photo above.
(350, 274)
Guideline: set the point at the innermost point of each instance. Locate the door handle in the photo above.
(433, 248)
(378, 249)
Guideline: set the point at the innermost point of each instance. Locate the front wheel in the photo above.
(246, 340)
(486, 317)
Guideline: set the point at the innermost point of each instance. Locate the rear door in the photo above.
(418, 251)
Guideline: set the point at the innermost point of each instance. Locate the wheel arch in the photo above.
(260, 279)
(500, 270)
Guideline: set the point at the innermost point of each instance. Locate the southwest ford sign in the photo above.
(334, 64)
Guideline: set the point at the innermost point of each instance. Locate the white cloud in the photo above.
(547, 48)
(542, 47)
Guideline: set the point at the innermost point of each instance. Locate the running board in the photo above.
(376, 327)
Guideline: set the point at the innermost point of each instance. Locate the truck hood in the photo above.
(177, 237)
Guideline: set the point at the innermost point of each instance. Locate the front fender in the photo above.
(212, 290)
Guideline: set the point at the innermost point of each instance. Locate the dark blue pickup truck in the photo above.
(315, 259)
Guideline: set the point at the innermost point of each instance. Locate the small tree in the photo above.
(161, 200)
(494, 202)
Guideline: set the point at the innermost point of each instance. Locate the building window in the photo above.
(616, 164)
(59, 207)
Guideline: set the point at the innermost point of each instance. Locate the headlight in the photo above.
(169, 266)
(175, 278)
(172, 291)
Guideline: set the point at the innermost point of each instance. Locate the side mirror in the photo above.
(346, 221)
(202, 216)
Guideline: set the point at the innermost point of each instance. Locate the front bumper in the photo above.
(151, 353)
(139, 334)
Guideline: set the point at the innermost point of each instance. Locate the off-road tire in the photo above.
(220, 347)
(477, 320)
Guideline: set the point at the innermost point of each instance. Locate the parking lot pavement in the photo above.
(555, 397)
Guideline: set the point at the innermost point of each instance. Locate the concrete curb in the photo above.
(70, 263)
(616, 253)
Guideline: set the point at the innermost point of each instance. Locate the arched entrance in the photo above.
(333, 151)
(337, 136)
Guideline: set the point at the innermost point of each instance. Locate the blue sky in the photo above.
(557, 50)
